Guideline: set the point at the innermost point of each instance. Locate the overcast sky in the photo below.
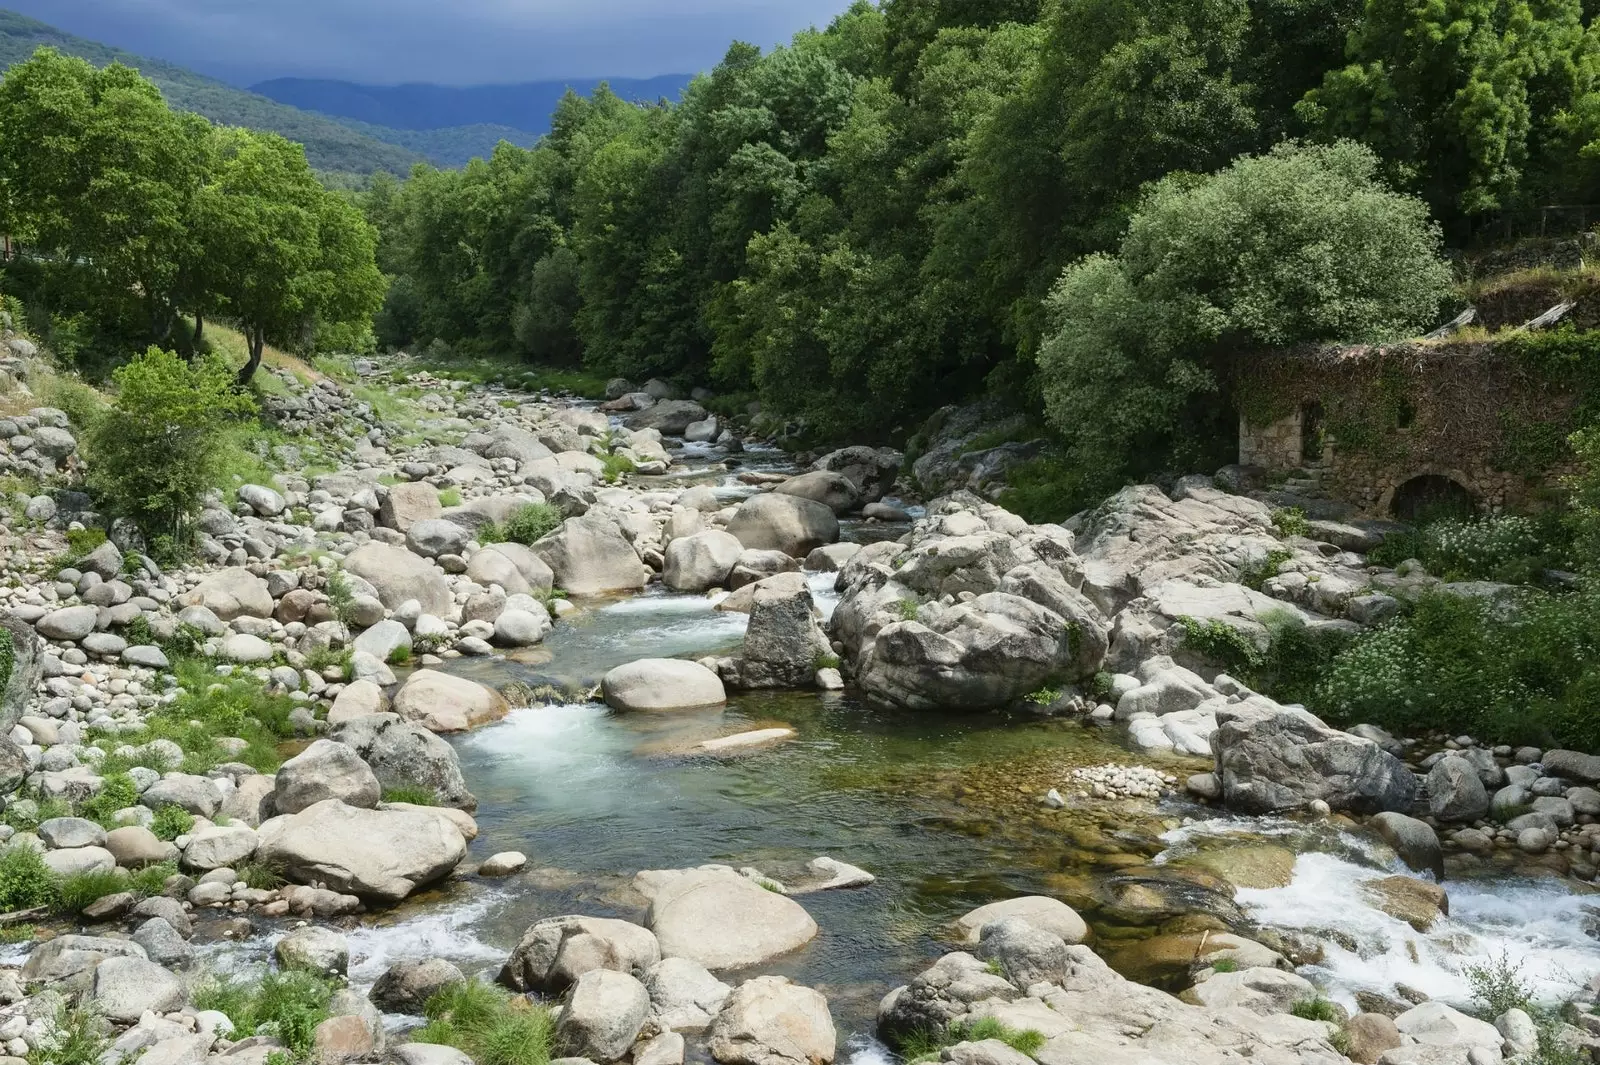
(454, 42)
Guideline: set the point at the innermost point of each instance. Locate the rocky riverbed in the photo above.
(747, 760)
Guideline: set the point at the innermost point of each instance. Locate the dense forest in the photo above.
(1077, 203)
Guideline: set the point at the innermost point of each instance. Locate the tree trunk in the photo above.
(199, 328)
(258, 341)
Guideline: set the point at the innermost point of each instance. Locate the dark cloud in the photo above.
(458, 42)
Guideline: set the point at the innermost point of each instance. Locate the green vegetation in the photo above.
(1497, 986)
(81, 1037)
(1291, 521)
(170, 822)
(25, 881)
(1316, 1009)
(416, 796)
(288, 1005)
(1225, 965)
(1505, 548)
(526, 525)
(925, 1045)
(488, 1025)
(906, 609)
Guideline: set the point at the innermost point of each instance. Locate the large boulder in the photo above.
(555, 952)
(700, 562)
(720, 919)
(1274, 758)
(219, 847)
(662, 684)
(231, 593)
(406, 986)
(783, 642)
(1455, 791)
(381, 855)
(591, 556)
(514, 567)
(432, 537)
(1414, 841)
(126, 988)
(978, 655)
(771, 1021)
(440, 702)
(670, 417)
(602, 1016)
(871, 470)
(776, 522)
(1040, 911)
(407, 504)
(325, 770)
(397, 576)
(405, 755)
(832, 490)
(17, 686)
(684, 996)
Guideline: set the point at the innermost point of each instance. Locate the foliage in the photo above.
(1586, 500)
(288, 1005)
(1301, 244)
(117, 792)
(1316, 1009)
(1508, 548)
(80, 1036)
(1225, 965)
(925, 1045)
(1497, 986)
(259, 876)
(415, 795)
(488, 1025)
(526, 525)
(157, 449)
(8, 656)
(1291, 521)
(341, 596)
(1524, 669)
(170, 822)
(906, 609)
(25, 881)
(76, 892)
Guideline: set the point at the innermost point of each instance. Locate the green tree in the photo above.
(160, 446)
(1302, 244)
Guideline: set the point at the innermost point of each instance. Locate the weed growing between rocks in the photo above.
(926, 1045)
(1497, 987)
(25, 881)
(526, 525)
(170, 822)
(80, 1039)
(286, 1005)
(1508, 548)
(1316, 1009)
(415, 796)
(488, 1025)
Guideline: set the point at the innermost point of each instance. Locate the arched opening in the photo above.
(1311, 432)
(1430, 497)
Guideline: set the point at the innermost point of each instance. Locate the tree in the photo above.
(1300, 245)
(161, 445)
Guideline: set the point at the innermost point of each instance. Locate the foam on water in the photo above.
(823, 594)
(1536, 924)
(446, 932)
(865, 1050)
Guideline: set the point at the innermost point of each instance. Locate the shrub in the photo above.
(614, 465)
(341, 596)
(450, 497)
(25, 881)
(416, 796)
(1586, 499)
(906, 609)
(1291, 521)
(1316, 1009)
(170, 822)
(526, 526)
(80, 1037)
(159, 447)
(76, 892)
(152, 879)
(926, 1044)
(288, 1005)
(118, 792)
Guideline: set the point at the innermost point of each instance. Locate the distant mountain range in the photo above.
(526, 107)
(346, 128)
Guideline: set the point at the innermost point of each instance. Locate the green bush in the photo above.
(81, 1036)
(1291, 521)
(526, 525)
(925, 1045)
(170, 822)
(117, 793)
(160, 445)
(416, 796)
(25, 881)
(288, 1005)
(1316, 1009)
(76, 892)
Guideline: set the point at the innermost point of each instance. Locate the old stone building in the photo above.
(1410, 429)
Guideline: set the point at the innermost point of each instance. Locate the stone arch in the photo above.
(1430, 493)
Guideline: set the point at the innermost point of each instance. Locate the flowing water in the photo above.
(943, 809)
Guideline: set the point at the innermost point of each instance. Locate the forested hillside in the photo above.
(329, 145)
(934, 198)
(526, 107)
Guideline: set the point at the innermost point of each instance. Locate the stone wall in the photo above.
(1362, 422)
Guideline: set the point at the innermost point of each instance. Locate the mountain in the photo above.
(526, 106)
(330, 145)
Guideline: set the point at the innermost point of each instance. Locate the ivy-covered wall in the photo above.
(1491, 415)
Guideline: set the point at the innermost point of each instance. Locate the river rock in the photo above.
(940, 996)
(325, 770)
(406, 986)
(219, 847)
(555, 952)
(1414, 841)
(700, 562)
(397, 576)
(1273, 758)
(1369, 1035)
(404, 755)
(771, 1021)
(1025, 955)
(783, 643)
(163, 943)
(427, 1054)
(432, 537)
(871, 470)
(684, 996)
(591, 556)
(68, 623)
(441, 702)
(1455, 791)
(776, 522)
(315, 949)
(406, 504)
(602, 1016)
(71, 861)
(231, 593)
(125, 988)
(382, 855)
(194, 794)
(1416, 902)
(1573, 765)
(251, 799)
(71, 832)
(832, 490)
(720, 919)
(1258, 990)
(1436, 1024)
(1040, 911)
(662, 684)
(135, 847)
(514, 567)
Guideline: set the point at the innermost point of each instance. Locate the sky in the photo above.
(451, 42)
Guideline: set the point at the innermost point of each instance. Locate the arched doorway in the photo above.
(1431, 496)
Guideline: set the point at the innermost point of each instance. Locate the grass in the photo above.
(1316, 1009)
(926, 1044)
(80, 1038)
(1291, 521)
(527, 525)
(906, 609)
(170, 822)
(614, 465)
(416, 796)
(450, 497)
(1224, 965)
(1497, 986)
(399, 656)
(289, 1005)
(488, 1025)
(78, 892)
(259, 876)
(212, 707)
(26, 882)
